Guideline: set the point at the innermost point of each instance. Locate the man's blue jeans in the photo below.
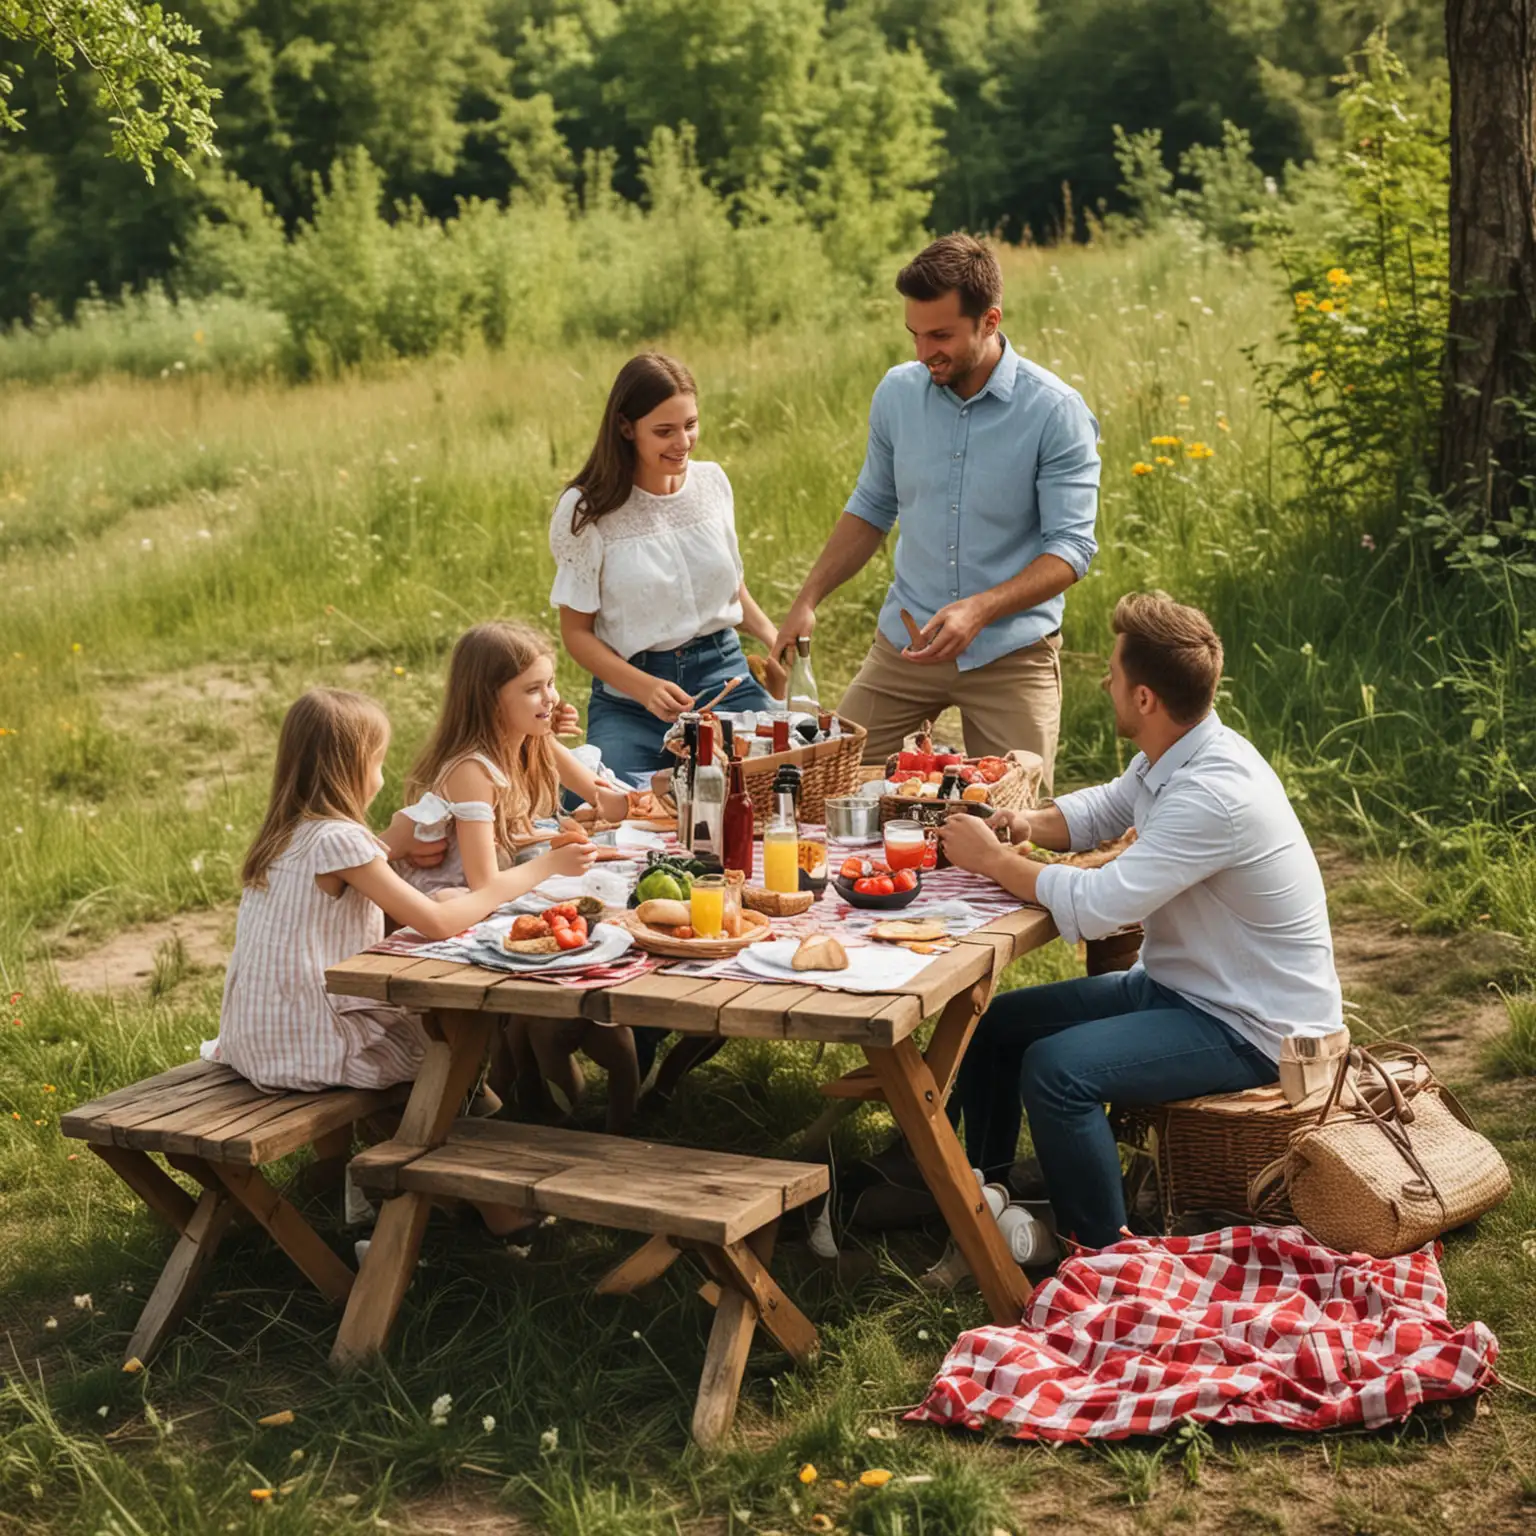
(1067, 1050)
(630, 736)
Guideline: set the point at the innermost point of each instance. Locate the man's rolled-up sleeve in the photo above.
(874, 496)
(1187, 842)
(1067, 484)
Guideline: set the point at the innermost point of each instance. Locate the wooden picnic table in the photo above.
(461, 1004)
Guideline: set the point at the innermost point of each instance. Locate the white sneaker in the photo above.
(1030, 1240)
(357, 1209)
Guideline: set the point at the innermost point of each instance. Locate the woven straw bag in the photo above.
(1390, 1163)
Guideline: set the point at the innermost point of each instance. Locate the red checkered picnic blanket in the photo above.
(1250, 1325)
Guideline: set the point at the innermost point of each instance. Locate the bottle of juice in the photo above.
(781, 845)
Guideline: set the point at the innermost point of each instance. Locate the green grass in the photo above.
(181, 557)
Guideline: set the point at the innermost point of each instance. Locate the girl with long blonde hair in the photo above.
(318, 886)
(493, 756)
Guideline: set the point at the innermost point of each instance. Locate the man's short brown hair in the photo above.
(954, 264)
(1171, 649)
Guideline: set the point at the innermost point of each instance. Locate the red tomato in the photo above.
(865, 887)
(904, 879)
(876, 885)
(565, 909)
(853, 869)
(569, 938)
(682, 931)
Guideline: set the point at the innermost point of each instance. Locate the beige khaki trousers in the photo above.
(1014, 701)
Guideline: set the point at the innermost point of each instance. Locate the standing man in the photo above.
(991, 465)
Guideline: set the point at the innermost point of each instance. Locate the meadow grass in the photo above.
(183, 556)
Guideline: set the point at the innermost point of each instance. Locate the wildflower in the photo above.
(1305, 300)
(1164, 460)
(196, 863)
(1166, 440)
(83, 1303)
(49, 1088)
(441, 1408)
(876, 1477)
(51, 1325)
(146, 543)
(549, 1441)
(74, 1157)
(132, 1367)
(1315, 377)
(1139, 468)
(261, 1495)
(488, 1423)
(103, 1411)
(76, 647)
(1200, 451)
(203, 533)
(922, 1334)
(1325, 306)
(274, 1420)
(1306, 649)
(399, 671)
(1339, 278)
(197, 336)
(808, 1474)
(1367, 543)
(1222, 424)
(1183, 399)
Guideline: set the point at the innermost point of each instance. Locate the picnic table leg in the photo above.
(183, 1270)
(156, 1188)
(915, 1100)
(456, 1046)
(952, 1034)
(725, 1360)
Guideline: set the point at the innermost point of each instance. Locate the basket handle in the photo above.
(1266, 1186)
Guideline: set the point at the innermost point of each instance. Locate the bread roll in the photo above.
(661, 913)
(820, 952)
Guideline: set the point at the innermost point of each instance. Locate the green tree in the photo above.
(146, 79)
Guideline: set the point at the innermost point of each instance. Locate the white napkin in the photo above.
(871, 967)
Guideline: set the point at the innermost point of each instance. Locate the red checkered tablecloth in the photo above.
(1250, 1325)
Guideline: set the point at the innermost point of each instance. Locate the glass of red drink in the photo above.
(905, 844)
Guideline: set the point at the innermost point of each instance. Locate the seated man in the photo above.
(1237, 956)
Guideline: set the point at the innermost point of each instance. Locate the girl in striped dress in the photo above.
(318, 885)
(494, 759)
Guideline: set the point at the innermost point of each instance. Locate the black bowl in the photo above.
(892, 903)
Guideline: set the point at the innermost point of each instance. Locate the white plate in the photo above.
(484, 945)
(871, 968)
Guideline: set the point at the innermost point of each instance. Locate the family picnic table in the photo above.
(461, 1002)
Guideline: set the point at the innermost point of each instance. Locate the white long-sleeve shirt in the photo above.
(1221, 878)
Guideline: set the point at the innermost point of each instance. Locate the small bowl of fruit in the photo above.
(873, 884)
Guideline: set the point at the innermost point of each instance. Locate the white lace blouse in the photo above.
(658, 571)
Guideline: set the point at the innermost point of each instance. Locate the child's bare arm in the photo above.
(477, 839)
(611, 804)
(442, 919)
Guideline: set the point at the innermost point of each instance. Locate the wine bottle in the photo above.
(708, 811)
(737, 826)
(802, 696)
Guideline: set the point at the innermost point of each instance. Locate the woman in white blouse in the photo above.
(649, 579)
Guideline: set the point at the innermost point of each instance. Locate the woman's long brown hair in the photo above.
(325, 749)
(484, 661)
(608, 476)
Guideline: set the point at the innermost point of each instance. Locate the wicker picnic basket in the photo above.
(827, 769)
(1017, 790)
(1206, 1151)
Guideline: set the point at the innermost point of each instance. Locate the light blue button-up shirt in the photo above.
(982, 487)
(1221, 878)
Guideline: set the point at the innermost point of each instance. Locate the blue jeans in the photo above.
(630, 736)
(1067, 1050)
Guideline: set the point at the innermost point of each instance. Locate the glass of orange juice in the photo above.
(781, 858)
(706, 906)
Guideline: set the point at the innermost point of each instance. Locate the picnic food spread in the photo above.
(557, 928)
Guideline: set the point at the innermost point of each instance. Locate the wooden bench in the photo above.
(724, 1207)
(208, 1121)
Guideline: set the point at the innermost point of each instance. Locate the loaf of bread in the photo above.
(661, 913)
(775, 903)
(820, 952)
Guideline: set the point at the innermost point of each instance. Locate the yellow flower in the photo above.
(1139, 468)
(1166, 441)
(197, 336)
(1200, 451)
(807, 1474)
(1164, 460)
(399, 671)
(1325, 306)
(822, 1523)
(1183, 399)
(261, 1495)
(876, 1477)
(76, 647)
(1339, 277)
(1315, 377)
(1305, 300)
(49, 1088)
(133, 1367)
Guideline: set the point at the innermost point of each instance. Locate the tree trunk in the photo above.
(1491, 49)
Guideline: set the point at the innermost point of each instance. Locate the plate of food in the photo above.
(664, 927)
(557, 936)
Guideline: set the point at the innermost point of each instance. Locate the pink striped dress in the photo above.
(278, 1026)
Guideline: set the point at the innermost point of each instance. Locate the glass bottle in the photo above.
(737, 828)
(781, 843)
(802, 696)
(708, 810)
